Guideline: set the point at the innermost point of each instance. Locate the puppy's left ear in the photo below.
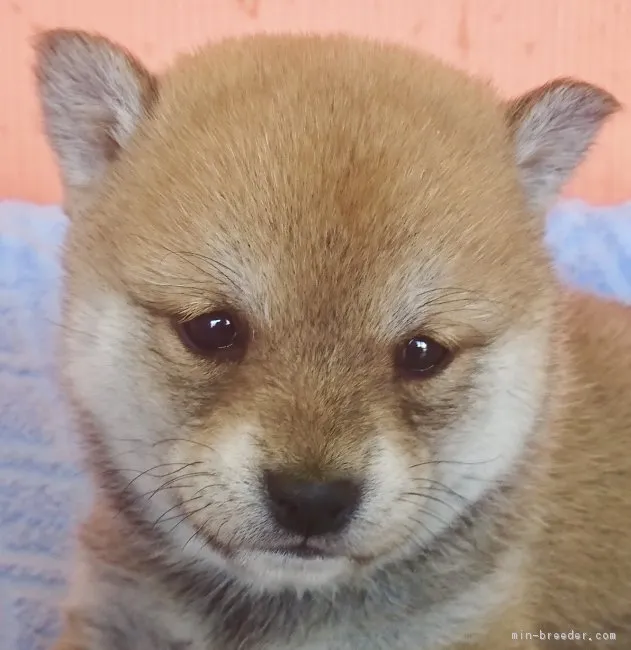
(93, 94)
(552, 128)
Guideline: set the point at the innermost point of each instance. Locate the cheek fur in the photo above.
(490, 436)
(112, 372)
(223, 496)
(430, 406)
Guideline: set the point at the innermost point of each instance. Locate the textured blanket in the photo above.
(42, 491)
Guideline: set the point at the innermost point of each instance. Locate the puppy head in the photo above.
(308, 305)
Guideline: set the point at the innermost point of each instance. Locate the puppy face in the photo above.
(308, 308)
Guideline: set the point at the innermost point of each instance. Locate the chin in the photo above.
(279, 570)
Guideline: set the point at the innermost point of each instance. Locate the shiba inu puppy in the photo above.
(331, 393)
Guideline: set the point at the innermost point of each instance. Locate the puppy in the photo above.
(331, 394)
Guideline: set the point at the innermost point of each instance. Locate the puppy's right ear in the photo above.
(93, 95)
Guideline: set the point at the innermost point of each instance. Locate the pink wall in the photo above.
(516, 44)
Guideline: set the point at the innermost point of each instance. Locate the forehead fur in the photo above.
(315, 166)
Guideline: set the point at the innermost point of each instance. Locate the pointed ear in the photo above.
(553, 127)
(93, 95)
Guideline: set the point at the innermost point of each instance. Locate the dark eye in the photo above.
(422, 356)
(217, 332)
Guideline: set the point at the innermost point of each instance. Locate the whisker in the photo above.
(437, 485)
(199, 529)
(179, 478)
(453, 462)
(168, 487)
(187, 440)
(163, 517)
(222, 270)
(151, 469)
(422, 511)
(423, 525)
(433, 498)
(188, 515)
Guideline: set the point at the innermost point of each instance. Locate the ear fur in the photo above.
(93, 95)
(553, 127)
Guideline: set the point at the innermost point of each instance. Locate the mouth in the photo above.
(301, 551)
(302, 566)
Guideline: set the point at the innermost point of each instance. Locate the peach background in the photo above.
(517, 44)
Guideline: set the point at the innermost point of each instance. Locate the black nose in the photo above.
(311, 507)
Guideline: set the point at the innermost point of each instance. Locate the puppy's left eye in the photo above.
(422, 356)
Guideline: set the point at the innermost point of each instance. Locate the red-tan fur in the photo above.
(341, 196)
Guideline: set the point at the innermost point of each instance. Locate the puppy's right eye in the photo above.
(215, 333)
